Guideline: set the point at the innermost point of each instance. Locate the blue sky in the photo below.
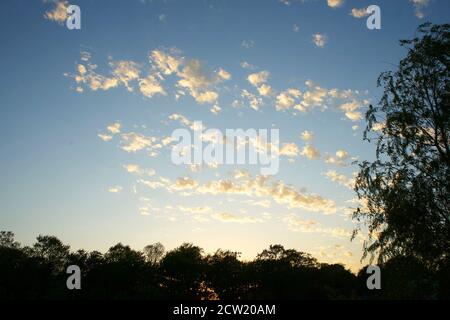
(61, 89)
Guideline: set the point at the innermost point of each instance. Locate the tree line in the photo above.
(186, 272)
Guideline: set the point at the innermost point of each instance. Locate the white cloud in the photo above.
(335, 3)
(307, 136)
(350, 110)
(247, 44)
(320, 40)
(419, 5)
(150, 86)
(228, 217)
(258, 78)
(246, 185)
(254, 102)
(310, 152)
(339, 159)
(340, 179)
(114, 128)
(246, 65)
(359, 13)
(133, 142)
(289, 150)
(165, 62)
(115, 189)
(297, 224)
(105, 137)
(132, 168)
(58, 13)
(287, 99)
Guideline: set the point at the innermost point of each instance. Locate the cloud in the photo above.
(167, 63)
(289, 150)
(419, 5)
(350, 110)
(228, 217)
(253, 187)
(224, 74)
(150, 86)
(314, 96)
(114, 128)
(246, 65)
(132, 168)
(340, 179)
(265, 90)
(335, 3)
(162, 17)
(193, 75)
(58, 13)
(125, 71)
(297, 224)
(133, 142)
(295, 28)
(183, 184)
(310, 152)
(195, 210)
(115, 189)
(105, 137)
(278, 191)
(254, 102)
(287, 99)
(258, 78)
(307, 136)
(260, 203)
(339, 159)
(320, 40)
(247, 44)
(359, 13)
(181, 119)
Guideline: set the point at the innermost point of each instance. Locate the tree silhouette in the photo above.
(406, 190)
(186, 273)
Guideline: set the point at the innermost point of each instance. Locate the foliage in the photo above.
(405, 192)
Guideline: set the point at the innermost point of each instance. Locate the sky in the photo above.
(87, 118)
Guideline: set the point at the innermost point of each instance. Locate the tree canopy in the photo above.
(405, 191)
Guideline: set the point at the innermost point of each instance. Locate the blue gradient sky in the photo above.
(56, 173)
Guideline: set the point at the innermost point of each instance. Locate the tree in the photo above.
(154, 252)
(405, 192)
(52, 251)
(225, 274)
(7, 240)
(184, 272)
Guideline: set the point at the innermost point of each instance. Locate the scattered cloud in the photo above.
(320, 40)
(115, 189)
(350, 110)
(419, 5)
(297, 224)
(228, 217)
(340, 179)
(58, 12)
(335, 3)
(288, 99)
(307, 136)
(339, 159)
(247, 44)
(359, 13)
(246, 65)
(310, 152)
